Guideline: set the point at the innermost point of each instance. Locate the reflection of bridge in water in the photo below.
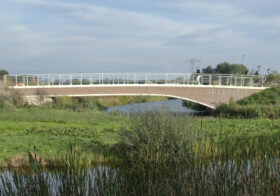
(207, 89)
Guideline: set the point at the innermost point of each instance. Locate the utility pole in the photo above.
(243, 59)
(192, 62)
(259, 69)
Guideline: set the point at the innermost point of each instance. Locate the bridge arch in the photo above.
(158, 95)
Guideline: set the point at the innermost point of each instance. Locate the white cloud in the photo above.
(90, 35)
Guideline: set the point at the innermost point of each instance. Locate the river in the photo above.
(172, 105)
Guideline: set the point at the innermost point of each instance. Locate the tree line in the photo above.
(227, 68)
(2, 73)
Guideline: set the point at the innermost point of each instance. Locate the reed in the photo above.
(161, 154)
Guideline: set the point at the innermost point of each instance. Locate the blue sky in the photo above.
(40, 36)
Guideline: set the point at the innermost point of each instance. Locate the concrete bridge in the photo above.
(209, 90)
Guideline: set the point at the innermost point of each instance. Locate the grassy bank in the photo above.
(265, 104)
(164, 154)
(51, 130)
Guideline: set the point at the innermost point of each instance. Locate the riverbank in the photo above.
(52, 130)
(146, 153)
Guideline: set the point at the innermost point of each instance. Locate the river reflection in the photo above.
(173, 105)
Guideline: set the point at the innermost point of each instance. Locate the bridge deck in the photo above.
(208, 90)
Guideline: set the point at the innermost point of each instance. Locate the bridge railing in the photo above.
(27, 80)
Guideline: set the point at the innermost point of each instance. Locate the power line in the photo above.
(192, 62)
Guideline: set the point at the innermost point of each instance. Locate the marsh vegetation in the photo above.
(159, 154)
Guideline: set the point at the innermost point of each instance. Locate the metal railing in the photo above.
(134, 79)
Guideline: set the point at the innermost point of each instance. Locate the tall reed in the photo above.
(161, 154)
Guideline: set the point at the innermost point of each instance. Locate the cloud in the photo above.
(66, 34)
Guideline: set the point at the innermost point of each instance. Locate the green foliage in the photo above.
(10, 99)
(156, 137)
(265, 104)
(248, 111)
(209, 70)
(2, 73)
(273, 79)
(165, 155)
(270, 96)
(227, 68)
(76, 103)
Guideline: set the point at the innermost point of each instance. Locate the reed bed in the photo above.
(160, 154)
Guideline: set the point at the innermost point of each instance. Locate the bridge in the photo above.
(209, 90)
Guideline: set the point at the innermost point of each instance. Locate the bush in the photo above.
(76, 103)
(265, 104)
(233, 110)
(9, 98)
(156, 138)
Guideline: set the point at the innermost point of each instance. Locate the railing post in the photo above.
(263, 81)
(81, 82)
(16, 80)
(59, 82)
(134, 78)
(210, 79)
(52, 80)
(38, 80)
(5, 80)
(146, 82)
(71, 80)
(27, 84)
(156, 79)
(91, 79)
(49, 82)
(220, 80)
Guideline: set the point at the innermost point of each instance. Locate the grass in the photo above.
(51, 130)
(269, 96)
(265, 104)
(106, 102)
(164, 154)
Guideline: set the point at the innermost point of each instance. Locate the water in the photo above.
(173, 105)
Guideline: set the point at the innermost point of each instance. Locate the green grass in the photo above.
(269, 96)
(265, 104)
(160, 154)
(51, 130)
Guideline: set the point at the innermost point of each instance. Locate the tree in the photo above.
(2, 73)
(227, 68)
(273, 78)
(209, 69)
(239, 69)
(223, 68)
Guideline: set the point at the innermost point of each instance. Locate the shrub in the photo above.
(9, 98)
(77, 103)
(156, 138)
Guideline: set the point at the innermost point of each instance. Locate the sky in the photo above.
(62, 36)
